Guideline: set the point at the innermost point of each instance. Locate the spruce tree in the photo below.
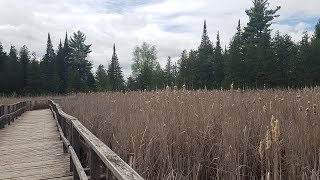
(102, 82)
(169, 77)
(218, 64)
(24, 61)
(3, 66)
(115, 73)
(182, 68)
(235, 69)
(204, 67)
(48, 68)
(34, 78)
(61, 67)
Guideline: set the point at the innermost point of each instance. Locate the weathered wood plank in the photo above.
(30, 148)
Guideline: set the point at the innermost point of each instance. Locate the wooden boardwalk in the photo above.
(30, 148)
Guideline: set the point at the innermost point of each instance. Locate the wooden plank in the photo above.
(31, 149)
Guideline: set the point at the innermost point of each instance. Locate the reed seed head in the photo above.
(268, 139)
(261, 150)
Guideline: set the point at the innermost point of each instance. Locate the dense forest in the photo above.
(254, 58)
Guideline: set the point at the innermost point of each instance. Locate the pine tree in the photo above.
(24, 61)
(102, 82)
(115, 73)
(48, 67)
(204, 67)
(34, 78)
(260, 19)
(256, 38)
(218, 64)
(169, 77)
(3, 66)
(61, 67)
(182, 76)
(282, 69)
(14, 71)
(81, 78)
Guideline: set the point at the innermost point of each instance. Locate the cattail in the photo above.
(268, 139)
(261, 150)
(275, 129)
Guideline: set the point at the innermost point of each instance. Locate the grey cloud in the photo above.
(104, 23)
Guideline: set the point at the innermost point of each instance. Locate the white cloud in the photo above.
(171, 25)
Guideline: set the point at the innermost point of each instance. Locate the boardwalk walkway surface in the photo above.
(30, 148)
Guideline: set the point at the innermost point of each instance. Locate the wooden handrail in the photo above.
(10, 112)
(72, 132)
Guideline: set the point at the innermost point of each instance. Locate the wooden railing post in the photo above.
(8, 112)
(76, 146)
(95, 165)
(63, 127)
(1, 114)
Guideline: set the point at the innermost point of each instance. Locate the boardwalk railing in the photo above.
(10, 112)
(101, 158)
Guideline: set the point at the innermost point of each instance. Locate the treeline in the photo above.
(253, 59)
(64, 70)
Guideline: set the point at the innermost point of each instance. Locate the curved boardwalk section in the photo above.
(30, 148)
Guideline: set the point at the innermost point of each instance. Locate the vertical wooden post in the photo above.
(95, 169)
(63, 127)
(76, 146)
(9, 118)
(14, 110)
(1, 114)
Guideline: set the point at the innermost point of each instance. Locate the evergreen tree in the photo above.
(282, 69)
(182, 68)
(34, 78)
(315, 55)
(61, 67)
(204, 69)
(260, 19)
(80, 76)
(14, 71)
(234, 70)
(115, 73)
(102, 82)
(169, 71)
(3, 66)
(256, 38)
(48, 67)
(218, 64)
(24, 61)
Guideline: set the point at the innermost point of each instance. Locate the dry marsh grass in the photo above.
(261, 134)
(208, 134)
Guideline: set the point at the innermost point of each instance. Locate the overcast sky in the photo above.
(171, 25)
